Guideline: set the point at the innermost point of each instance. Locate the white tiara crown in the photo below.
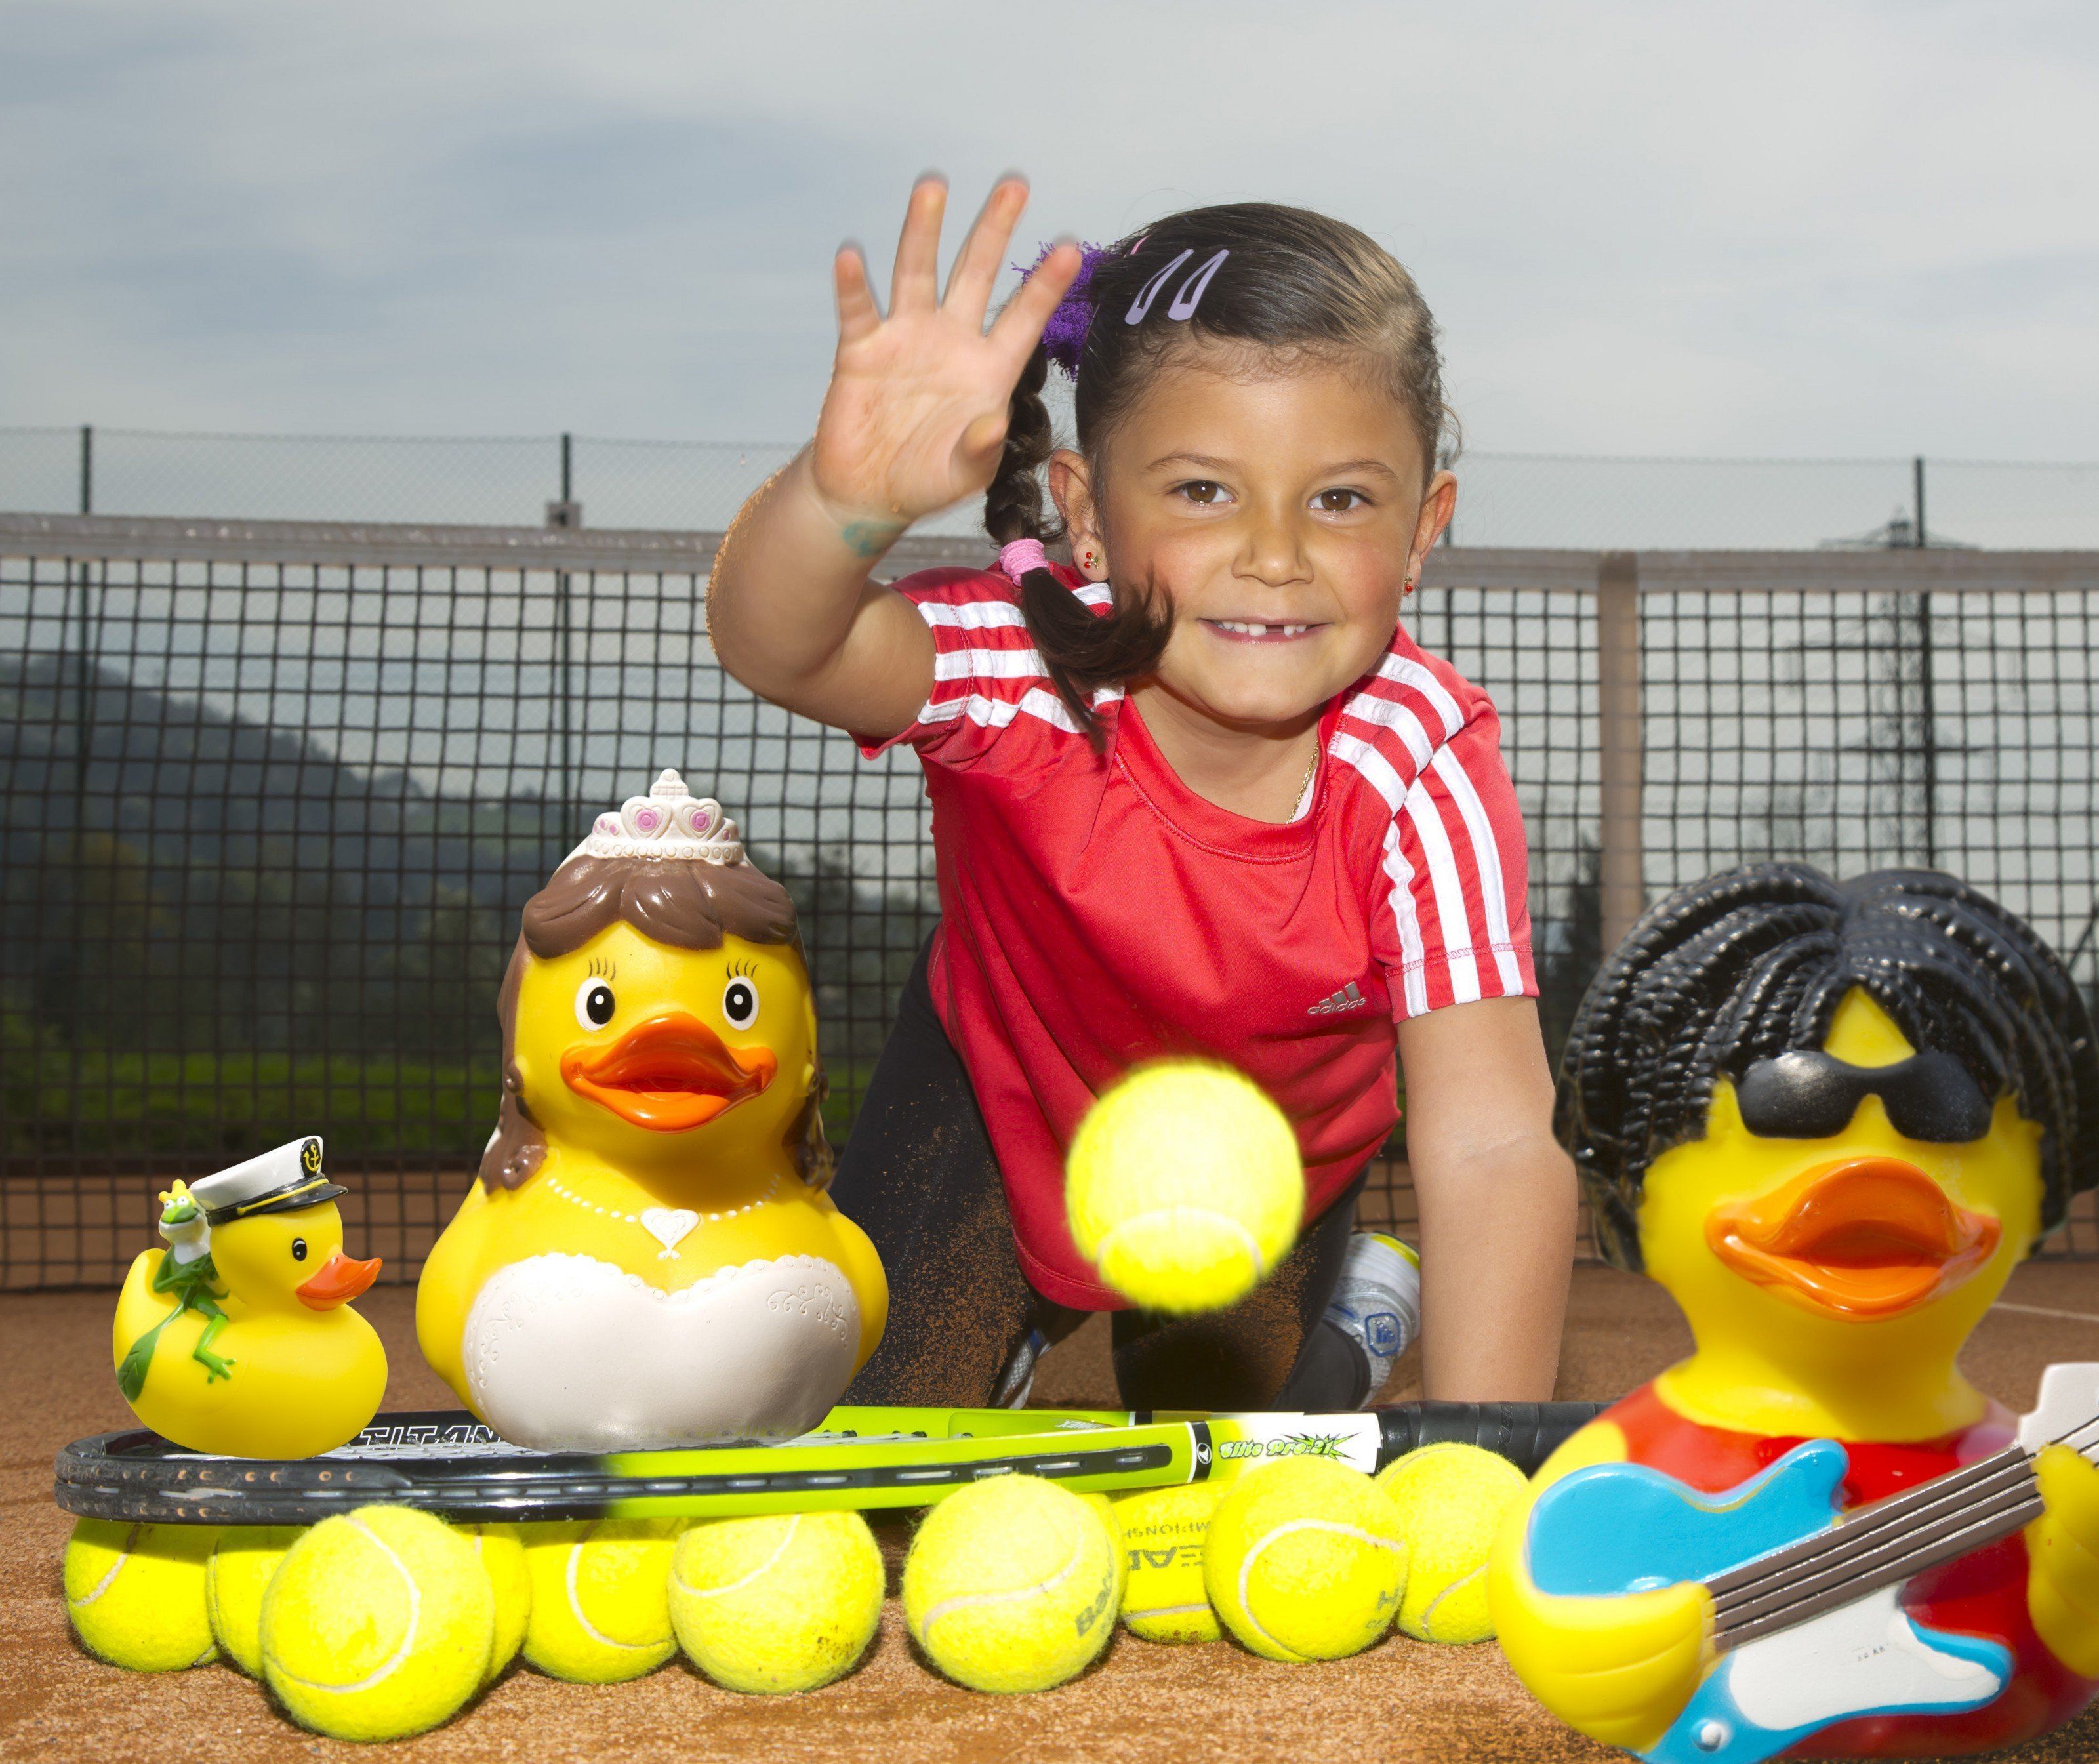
(670, 822)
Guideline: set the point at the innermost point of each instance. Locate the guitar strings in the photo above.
(1887, 1541)
(1892, 1511)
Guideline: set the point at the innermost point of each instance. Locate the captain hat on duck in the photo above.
(278, 1181)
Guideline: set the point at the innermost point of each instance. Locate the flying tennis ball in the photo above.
(1305, 1559)
(601, 1598)
(778, 1602)
(1163, 1530)
(377, 1624)
(1010, 1585)
(240, 1574)
(135, 1593)
(1184, 1186)
(501, 1550)
(1450, 1499)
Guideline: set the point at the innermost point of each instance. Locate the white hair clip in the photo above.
(1184, 303)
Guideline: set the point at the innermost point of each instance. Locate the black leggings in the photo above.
(918, 1176)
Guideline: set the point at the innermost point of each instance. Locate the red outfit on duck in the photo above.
(1983, 1593)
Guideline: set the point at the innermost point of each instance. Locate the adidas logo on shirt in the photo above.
(1348, 998)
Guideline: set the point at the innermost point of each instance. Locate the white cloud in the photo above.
(1783, 228)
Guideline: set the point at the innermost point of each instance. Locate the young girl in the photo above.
(1200, 794)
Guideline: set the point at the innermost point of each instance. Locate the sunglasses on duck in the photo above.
(1811, 1095)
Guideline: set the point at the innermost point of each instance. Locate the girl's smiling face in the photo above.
(1279, 512)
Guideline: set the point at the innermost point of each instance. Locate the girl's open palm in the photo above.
(916, 414)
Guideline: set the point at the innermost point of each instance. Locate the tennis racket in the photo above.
(449, 1463)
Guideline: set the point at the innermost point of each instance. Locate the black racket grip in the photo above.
(1525, 1433)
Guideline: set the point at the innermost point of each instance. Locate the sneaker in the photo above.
(1377, 1303)
(1016, 1383)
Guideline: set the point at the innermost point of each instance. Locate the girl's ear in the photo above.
(1438, 504)
(1071, 488)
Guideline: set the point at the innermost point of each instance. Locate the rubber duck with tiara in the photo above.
(1830, 1118)
(239, 1338)
(648, 1257)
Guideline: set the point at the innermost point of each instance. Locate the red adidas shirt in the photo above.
(1095, 911)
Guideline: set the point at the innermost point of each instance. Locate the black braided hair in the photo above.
(1081, 650)
(1754, 961)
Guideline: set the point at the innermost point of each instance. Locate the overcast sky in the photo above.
(1825, 229)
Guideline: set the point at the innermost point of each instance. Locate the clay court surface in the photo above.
(1403, 1701)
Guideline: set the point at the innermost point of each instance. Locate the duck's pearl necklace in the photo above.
(648, 1219)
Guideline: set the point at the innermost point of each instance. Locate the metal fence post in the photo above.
(87, 468)
(1624, 888)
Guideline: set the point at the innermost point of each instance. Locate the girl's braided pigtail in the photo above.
(1080, 648)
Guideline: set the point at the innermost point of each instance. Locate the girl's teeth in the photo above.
(1246, 630)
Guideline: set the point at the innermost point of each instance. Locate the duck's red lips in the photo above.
(668, 1074)
(1869, 1238)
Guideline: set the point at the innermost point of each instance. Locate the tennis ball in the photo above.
(1305, 1559)
(601, 1598)
(778, 1602)
(1163, 1530)
(377, 1624)
(1010, 1585)
(1105, 1507)
(1450, 1499)
(501, 1550)
(239, 1574)
(135, 1593)
(1184, 1186)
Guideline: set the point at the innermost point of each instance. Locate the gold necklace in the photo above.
(1311, 768)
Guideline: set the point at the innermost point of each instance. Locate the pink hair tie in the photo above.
(1016, 560)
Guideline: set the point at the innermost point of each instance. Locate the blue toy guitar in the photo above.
(1807, 1629)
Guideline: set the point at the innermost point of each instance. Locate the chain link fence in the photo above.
(272, 798)
(1504, 499)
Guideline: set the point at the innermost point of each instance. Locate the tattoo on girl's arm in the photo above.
(871, 538)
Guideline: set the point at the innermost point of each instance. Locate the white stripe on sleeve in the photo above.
(1390, 714)
(1404, 672)
(976, 614)
(1449, 891)
(996, 713)
(1414, 978)
(1487, 862)
(1354, 750)
(989, 664)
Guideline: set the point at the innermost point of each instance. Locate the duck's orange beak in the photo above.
(668, 1074)
(1868, 1237)
(337, 1281)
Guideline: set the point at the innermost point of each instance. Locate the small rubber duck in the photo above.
(237, 1338)
(648, 1257)
(1830, 1118)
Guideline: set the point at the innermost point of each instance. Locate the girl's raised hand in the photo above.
(916, 414)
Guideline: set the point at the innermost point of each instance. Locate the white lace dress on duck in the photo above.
(568, 1353)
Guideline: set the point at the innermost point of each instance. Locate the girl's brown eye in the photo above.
(1203, 491)
(1339, 501)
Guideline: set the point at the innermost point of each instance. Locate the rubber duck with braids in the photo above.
(1830, 1118)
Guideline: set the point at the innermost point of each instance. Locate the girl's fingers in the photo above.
(976, 272)
(858, 315)
(1019, 327)
(916, 282)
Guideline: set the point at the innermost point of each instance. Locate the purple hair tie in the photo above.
(1016, 560)
(1064, 336)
